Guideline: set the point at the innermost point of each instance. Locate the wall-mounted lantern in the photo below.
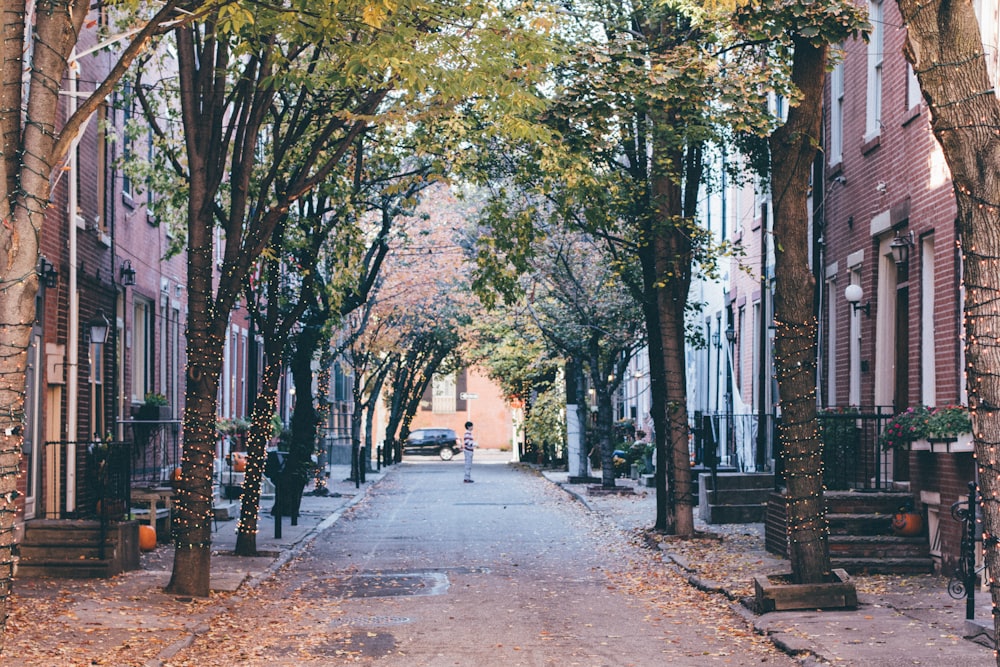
(47, 273)
(127, 273)
(98, 327)
(900, 248)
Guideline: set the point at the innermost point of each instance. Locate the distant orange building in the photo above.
(468, 395)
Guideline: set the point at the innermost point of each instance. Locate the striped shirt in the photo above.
(467, 442)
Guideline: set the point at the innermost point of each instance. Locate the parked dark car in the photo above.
(440, 441)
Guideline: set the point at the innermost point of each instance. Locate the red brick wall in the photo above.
(949, 475)
(907, 161)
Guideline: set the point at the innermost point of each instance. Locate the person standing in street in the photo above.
(468, 445)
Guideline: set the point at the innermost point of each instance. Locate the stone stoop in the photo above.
(740, 498)
(70, 548)
(861, 537)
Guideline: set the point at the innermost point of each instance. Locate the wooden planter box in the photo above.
(772, 594)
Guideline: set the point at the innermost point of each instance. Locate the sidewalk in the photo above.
(129, 620)
(77, 622)
(900, 620)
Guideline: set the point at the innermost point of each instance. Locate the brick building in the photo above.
(103, 262)
(885, 187)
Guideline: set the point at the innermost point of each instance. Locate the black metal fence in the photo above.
(157, 450)
(852, 455)
(853, 458)
(733, 441)
(101, 474)
(104, 472)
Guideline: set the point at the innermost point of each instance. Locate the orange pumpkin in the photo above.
(147, 537)
(907, 524)
(239, 460)
(176, 476)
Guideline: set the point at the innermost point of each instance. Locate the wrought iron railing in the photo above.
(852, 455)
(101, 491)
(733, 441)
(156, 452)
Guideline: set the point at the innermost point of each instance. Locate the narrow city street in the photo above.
(509, 570)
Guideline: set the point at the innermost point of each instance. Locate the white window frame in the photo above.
(854, 346)
(913, 95)
(836, 148)
(97, 399)
(876, 50)
(142, 349)
(928, 360)
(444, 393)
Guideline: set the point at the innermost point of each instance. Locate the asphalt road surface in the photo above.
(509, 570)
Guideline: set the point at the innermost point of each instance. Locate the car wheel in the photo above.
(446, 454)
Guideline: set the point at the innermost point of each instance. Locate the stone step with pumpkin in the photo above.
(862, 536)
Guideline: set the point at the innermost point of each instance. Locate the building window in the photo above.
(97, 390)
(989, 27)
(831, 344)
(142, 349)
(854, 347)
(737, 349)
(443, 394)
(912, 89)
(876, 46)
(126, 102)
(928, 361)
(836, 148)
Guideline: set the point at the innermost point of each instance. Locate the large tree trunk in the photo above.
(946, 50)
(305, 421)
(257, 439)
(205, 343)
(605, 423)
(25, 169)
(193, 507)
(672, 248)
(793, 149)
(657, 389)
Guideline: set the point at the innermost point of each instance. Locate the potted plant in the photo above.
(948, 422)
(155, 407)
(904, 428)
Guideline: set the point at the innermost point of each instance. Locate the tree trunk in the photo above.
(946, 50)
(257, 439)
(793, 150)
(25, 169)
(304, 422)
(193, 507)
(657, 385)
(672, 248)
(605, 425)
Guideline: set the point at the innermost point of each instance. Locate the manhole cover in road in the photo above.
(381, 585)
(370, 621)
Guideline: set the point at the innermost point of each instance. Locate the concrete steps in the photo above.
(740, 497)
(71, 548)
(861, 538)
